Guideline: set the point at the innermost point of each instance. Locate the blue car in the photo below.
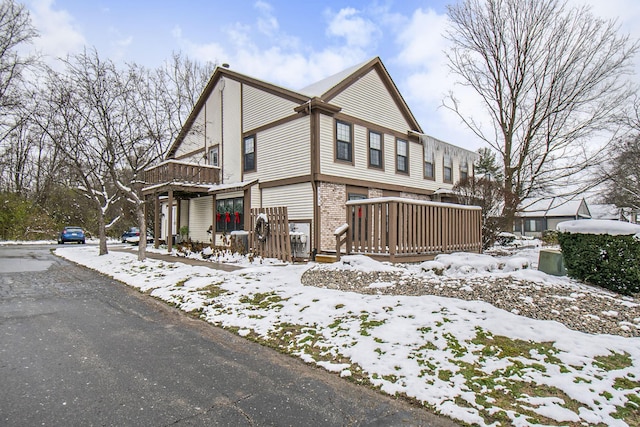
(71, 234)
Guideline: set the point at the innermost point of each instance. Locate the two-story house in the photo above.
(248, 144)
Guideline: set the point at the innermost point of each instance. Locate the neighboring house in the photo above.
(545, 214)
(251, 144)
(612, 212)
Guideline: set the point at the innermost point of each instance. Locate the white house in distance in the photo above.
(545, 214)
(250, 144)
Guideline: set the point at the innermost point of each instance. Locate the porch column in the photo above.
(178, 214)
(156, 220)
(170, 222)
(213, 221)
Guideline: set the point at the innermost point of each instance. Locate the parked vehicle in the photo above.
(132, 235)
(71, 234)
(130, 232)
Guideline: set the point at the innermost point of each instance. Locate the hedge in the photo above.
(611, 262)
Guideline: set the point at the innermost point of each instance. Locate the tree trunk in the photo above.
(102, 233)
(142, 224)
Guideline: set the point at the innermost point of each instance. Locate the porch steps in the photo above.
(326, 258)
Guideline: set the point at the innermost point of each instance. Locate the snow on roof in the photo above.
(231, 185)
(599, 226)
(555, 206)
(604, 212)
(321, 87)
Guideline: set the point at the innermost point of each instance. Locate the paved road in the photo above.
(79, 349)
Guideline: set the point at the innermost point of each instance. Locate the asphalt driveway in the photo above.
(77, 348)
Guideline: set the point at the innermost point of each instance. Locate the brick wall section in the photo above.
(332, 213)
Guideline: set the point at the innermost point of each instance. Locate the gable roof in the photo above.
(554, 207)
(325, 90)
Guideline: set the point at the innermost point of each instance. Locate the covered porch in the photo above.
(173, 180)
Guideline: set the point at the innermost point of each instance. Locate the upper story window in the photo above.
(464, 170)
(344, 141)
(429, 164)
(448, 169)
(249, 153)
(375, 150)
(214, 156)
(402, 155)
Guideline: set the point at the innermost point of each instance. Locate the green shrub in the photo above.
(550, 237)
(611, 262)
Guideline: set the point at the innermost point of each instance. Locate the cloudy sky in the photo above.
(290, 43)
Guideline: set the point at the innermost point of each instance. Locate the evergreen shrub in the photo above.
(611, 262)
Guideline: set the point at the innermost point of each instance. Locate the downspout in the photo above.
(221, 153)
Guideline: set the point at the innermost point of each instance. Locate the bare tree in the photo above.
(15, 32)
(550, 77)
(69, 115)
(621, 174)
(158, 102)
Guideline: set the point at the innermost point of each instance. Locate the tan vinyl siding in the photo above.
(232, 136)
(255, 197)
(282, 152)
(298, 198)
(260, 108)
(368, 99)
(194, 139)
(200, 218)
(360, 170)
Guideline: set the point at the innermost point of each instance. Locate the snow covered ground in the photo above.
(464, 359)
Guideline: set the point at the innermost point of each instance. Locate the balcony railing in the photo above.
(182, 172)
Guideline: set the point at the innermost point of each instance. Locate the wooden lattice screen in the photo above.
(277, 243)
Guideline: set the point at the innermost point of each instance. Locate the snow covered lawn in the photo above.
(465, 359)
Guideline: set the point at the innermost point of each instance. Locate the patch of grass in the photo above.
(213, 291)
(613, 361)
(452, 343)
(445, 374)
(366, 324)
(339, 306)
(180, 283)
(264, 300)
(625, 384)
(630, 412)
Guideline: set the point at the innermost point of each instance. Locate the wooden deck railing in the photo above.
(176, 171)
(403, 229)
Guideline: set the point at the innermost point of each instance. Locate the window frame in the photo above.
(339, 141)
(221, 224)
(431, 177)
(245, 154)
(380, 150)
(406, 157)
(446, 168)
(212, 149)
(464, 170)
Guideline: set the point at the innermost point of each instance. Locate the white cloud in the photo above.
(349, 24)
(267, 22)
(59, 33)
(427, 79)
